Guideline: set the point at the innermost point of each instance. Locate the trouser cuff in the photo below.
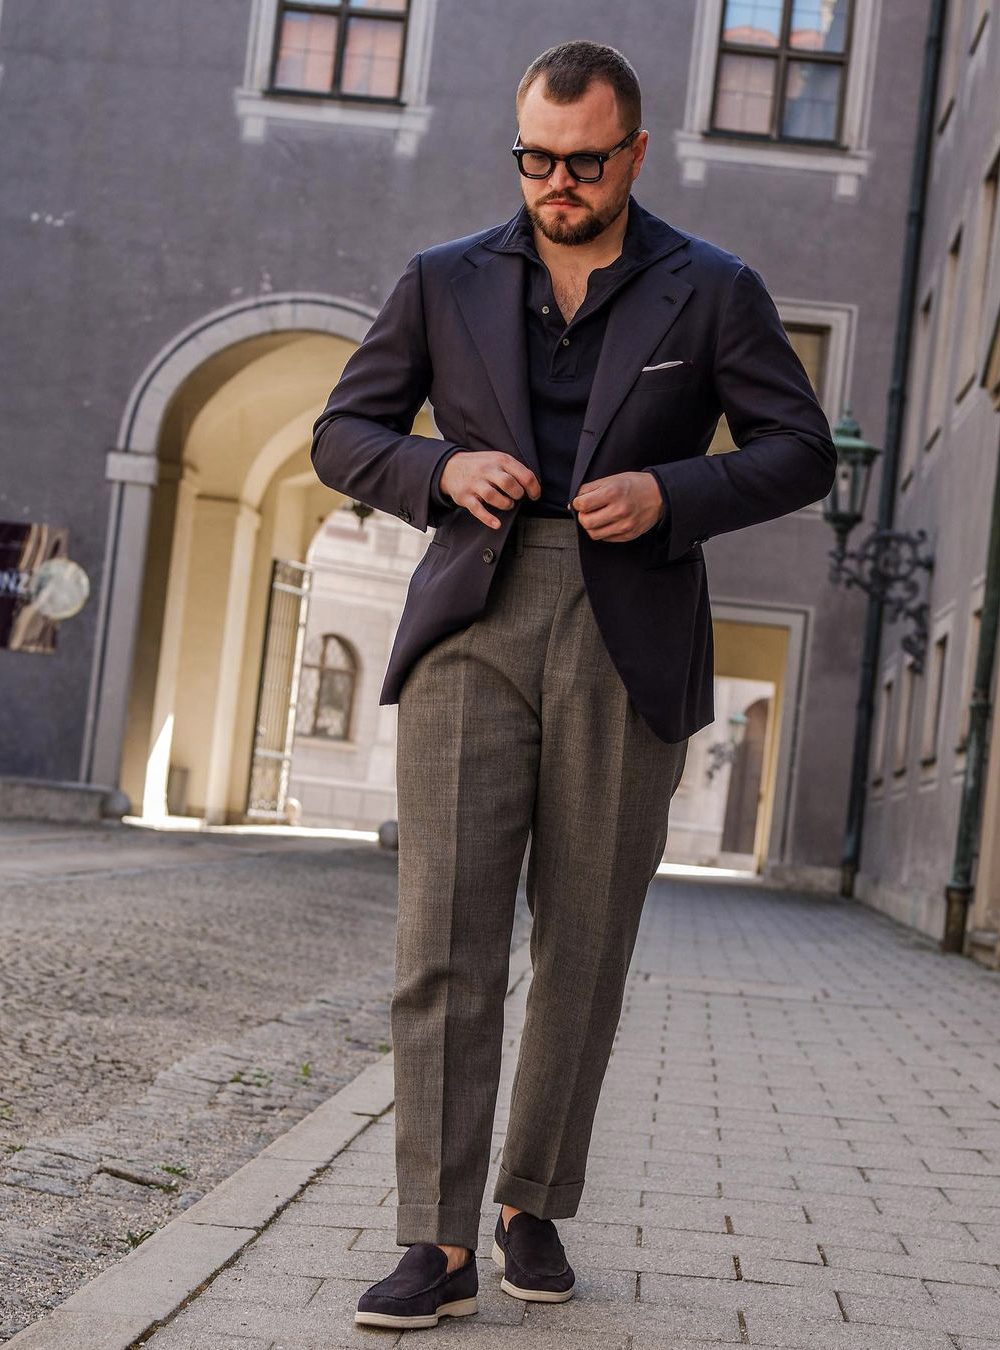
(437, 1223)
(545, 1202)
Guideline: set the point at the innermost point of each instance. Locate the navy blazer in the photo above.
(452, 331)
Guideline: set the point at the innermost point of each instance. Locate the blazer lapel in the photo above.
(637, 321)
(491, 302)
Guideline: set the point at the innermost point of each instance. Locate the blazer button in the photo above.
(487, 555)
(405, 515)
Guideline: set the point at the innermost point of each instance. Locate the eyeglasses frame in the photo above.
(602, 156)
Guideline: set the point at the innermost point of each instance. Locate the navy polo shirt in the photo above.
(562, 361)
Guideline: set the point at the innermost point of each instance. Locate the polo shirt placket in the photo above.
(562, 362)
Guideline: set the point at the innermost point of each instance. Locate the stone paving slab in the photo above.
(796, 1147)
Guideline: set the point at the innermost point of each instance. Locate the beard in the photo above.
(592, 223)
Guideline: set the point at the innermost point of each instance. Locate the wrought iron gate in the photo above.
(278, 690)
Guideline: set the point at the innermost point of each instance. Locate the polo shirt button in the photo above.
(565, 342)
(487, 555)
(545, 309)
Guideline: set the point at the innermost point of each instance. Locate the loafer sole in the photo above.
(529, 1295)
(459, 1308)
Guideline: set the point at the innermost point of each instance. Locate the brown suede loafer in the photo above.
(420, 1290)
(532, 1259)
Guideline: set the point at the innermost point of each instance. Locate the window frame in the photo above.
(321, 667)
(934, 690)
(406, 119)
(880, 741)
(344, 12)
(696, 149)
(782, 55)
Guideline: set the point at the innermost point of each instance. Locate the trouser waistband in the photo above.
(543, 532)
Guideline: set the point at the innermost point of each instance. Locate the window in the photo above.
(905, 715)
(780, 70)
(916, 383)
(932, 708)
(337, 63)
(781, 84)
(969, 675)
(980, 13)
(326, 688)
(881, 730)
(978, 280)
(943, 339)
(343, 48)
(951, 56)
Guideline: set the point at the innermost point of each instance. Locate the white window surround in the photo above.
(935, 685)
(840, 323)
(696, 150)
(407, 121)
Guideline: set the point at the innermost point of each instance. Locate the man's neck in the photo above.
(584, 258)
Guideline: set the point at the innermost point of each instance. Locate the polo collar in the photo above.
(646, 238)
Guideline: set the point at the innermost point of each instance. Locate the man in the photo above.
(555, 650)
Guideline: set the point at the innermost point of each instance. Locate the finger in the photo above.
(600, 516)
(522, 475)
(496, 496)
(611, 534)
(589, 497)
(509, 483)
(479, 511)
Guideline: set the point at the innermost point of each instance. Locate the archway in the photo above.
(212, 480)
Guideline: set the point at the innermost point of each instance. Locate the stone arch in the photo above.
(134, 470)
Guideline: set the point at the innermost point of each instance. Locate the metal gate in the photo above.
(278, 690)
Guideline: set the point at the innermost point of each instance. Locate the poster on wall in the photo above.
(39, 585)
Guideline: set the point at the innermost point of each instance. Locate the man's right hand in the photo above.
(475, 478)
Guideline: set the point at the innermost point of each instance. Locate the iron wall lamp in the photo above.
(888, 562)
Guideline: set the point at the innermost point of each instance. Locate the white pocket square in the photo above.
(663, 365)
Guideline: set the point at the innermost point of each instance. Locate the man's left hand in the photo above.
(619, 507)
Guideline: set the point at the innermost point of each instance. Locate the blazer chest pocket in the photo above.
(662, 378)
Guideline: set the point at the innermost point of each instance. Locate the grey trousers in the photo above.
(518, 723)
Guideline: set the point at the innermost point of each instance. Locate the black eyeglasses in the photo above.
(586, 166)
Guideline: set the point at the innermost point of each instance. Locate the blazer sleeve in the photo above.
(361, 442)
(786, 456)
(662, 527)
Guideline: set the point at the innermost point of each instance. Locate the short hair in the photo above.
(571, 67)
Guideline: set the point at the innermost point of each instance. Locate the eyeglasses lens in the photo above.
(586, 168)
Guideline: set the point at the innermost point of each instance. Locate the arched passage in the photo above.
(211, 481)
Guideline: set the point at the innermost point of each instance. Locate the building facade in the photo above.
(947, 472)
(204, 207)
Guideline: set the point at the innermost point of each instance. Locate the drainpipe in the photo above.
(893, 431)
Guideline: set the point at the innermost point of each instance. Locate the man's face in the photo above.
(565, 211)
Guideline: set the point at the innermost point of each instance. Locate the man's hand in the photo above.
(619, 507)
(473, 478)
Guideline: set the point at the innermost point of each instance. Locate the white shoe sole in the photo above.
(529, 1295)
(460, 1308)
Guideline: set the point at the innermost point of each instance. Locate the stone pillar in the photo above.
(154, 801)
(243, 521)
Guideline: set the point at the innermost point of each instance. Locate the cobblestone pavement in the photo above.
(798, 1145)
(169, 1003)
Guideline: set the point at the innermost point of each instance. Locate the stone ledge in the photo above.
(65, 802)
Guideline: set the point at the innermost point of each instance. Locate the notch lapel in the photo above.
(490, 299)
(638, 320)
